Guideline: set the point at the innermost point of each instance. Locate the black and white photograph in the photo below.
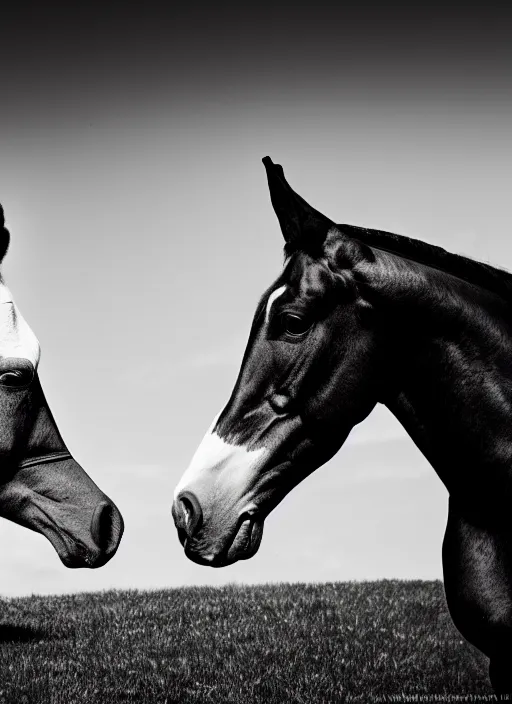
(255, 353)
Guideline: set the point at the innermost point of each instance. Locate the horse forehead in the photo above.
(16, 337)
(303, 277)
(8, 315)
(308, 277)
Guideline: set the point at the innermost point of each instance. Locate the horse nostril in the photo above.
(102, 526)
(187, 515)
(16, 372)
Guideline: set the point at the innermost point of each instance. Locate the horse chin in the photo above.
(246, 541)
(75, 555)
(244, 545)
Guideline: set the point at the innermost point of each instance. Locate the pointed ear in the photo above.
(4, 235)
(302, 226)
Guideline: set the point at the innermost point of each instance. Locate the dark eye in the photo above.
(295, 325)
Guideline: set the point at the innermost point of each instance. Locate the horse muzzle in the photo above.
(59, 500)
(89, 550)
(207, 545)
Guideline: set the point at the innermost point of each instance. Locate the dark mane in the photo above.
(486, 276)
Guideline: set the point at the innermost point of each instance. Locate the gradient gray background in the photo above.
(143, 235)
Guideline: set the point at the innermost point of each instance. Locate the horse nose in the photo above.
(16, 372)
(103, 527)
(187, 515)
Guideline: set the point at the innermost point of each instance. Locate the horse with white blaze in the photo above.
(359, 317)
(42, 487)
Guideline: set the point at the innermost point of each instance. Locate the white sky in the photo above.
(142, 237)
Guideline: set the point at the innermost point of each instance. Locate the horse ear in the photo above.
(4, 235)
(302, 226)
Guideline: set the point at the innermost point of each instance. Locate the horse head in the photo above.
(41, 486)
(309, 374)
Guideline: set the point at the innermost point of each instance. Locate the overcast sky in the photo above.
(143, 236)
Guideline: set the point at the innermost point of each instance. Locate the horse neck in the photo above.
(452, 377)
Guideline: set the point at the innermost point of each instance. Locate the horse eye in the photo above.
(295, 325)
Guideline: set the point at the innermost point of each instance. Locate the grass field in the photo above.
(278, 643)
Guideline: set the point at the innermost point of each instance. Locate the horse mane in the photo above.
(496, 280)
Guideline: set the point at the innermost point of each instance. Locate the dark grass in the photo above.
(273, 644)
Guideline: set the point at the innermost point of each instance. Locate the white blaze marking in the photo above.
(275, 294)
(215, 455)
(216, 458)
(16, 337)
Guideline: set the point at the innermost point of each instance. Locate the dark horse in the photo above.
(360, 317)
(41, 486)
